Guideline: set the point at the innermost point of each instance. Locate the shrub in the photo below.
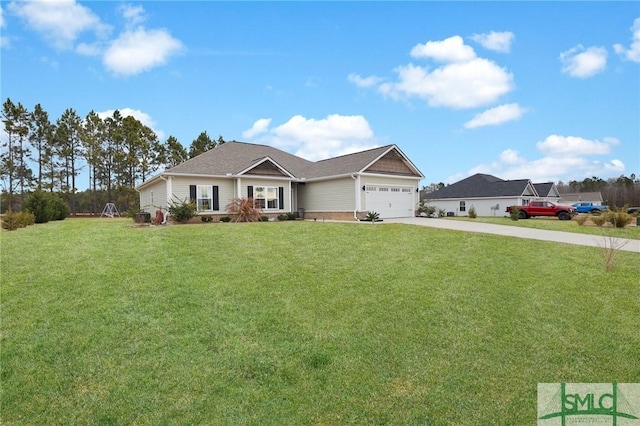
(243, 209)
(206, 219)
(514, 213)
(372, 216)
(442, 212)
(581, 218)
(41, 205)
(60, 208)
(472, 213)
(225, 219)
(282, 217)
(12, 220)
(619, 218)
(598, 220)
(182, 211)
(26, 219)
(292, 215)
(264, 219)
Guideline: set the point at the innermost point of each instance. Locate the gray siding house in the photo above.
(489, 195)
(382, 179)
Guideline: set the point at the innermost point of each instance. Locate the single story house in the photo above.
(582, 197)
(381, 179)
(489, 195)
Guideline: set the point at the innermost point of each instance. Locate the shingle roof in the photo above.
(543, 189)
(234, 157)
(481, 185)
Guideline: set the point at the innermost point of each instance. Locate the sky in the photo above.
(547, 91)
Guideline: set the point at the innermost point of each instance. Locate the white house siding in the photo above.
(245, 182)
(226, 188)
(154, 197)
(336, 195)
(389, 181)
(483, 206)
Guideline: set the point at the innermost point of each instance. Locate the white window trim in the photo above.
(199, 197)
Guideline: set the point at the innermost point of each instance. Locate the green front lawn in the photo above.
(302, 323)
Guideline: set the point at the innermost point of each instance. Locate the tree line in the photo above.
(119, 153)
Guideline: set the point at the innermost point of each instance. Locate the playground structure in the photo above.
(110, 210)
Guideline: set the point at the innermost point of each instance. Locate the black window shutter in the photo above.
(192, 193)
(250, 191)
(281, 197)
(216, 203)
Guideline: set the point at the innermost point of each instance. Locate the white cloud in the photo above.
(462, 80)
(139, 50)
(495, 116)
(633, 52)
(141, 116)
(61, 22)
(459, 85)
(450, 50)
(133, 14)
(563, 158)
(317, 139)
(567, 146)
(258, 128)
(582, 63)
(359, 81)
(496, 41)
(4, 41)
(511, 156)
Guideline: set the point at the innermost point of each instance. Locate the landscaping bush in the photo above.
(206, 219)
(264, 219)
(41, 205)
(60, 208)
(225, 219)
(514, 213)
(619, 218)
(242, 209)
(282, 217)
(372, 216)
(581, 218)
(472, 213)
(12, 220)
(182, 211)
(598, 220)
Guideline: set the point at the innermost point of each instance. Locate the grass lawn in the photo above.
(553, 224)
(302, 323)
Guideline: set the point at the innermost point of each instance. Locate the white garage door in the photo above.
(390, 201)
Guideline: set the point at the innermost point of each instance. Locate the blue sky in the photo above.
(542, 90)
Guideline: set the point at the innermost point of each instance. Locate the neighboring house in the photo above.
(582, 197)
(382, 179)
(488, 195)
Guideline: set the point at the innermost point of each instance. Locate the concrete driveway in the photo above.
(520, 232)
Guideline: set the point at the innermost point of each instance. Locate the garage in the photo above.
(390, 201)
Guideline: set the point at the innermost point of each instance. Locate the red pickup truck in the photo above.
(544, 208)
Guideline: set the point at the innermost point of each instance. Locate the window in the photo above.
(205, 198)
(268, 197)
(463, 206)
(406, 190)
